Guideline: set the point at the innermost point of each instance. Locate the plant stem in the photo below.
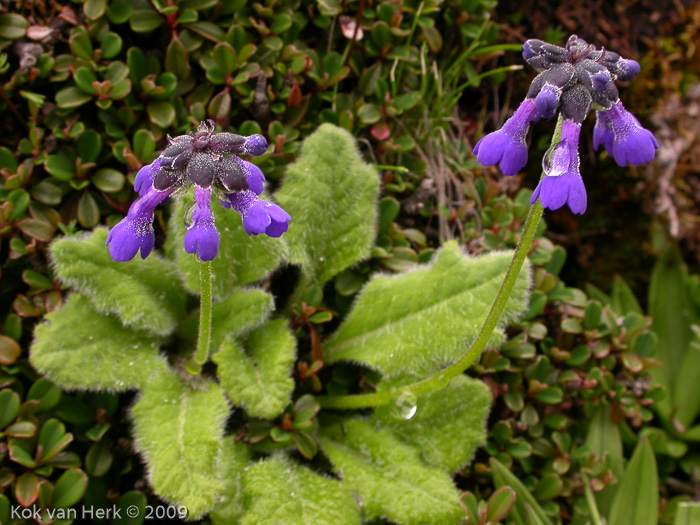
(590, 500)
(440, 379)
(194, 366)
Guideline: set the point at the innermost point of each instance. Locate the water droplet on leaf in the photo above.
(406, 405)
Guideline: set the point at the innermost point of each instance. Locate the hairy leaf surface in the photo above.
(418, 321)
(280, 491)
(242, 259)
(255, 374)
(146, 294)
(179, 430)
(78, 347)
(234, 460)
(390, 477)
(331, 195)
(448, 425)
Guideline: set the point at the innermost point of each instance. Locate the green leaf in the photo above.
(234, 460)
(673, 313)
(94, 8)
(622, 299)
(308, 497)
(331, 195)
(82, 349)
(88, 212)
(69, 488)
(146, 294)
(13, 26)
(60, 167)
(637, 497)
(687, 513)
(71, 97)
(604, 440)
(425, 318)
(447, 426)
(179, 430)
(108, 180)
(525, 502)
(242, 259)
(89, 145)
(225, 58)
(144, 145)
(256, 374)
(390, 478)
(144, 20)
(161, 113)
(9, 407)
(176, 59)
(84, 77)
(208, 30)
(110, 45)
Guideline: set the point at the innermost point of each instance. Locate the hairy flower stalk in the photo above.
(208, 161)
(573, 79)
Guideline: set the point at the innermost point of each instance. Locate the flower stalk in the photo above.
(194, 366)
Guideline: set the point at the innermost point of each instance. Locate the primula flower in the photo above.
(209, 162)
(573, 79)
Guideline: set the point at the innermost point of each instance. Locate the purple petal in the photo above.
(628, 69)
(555, 192)
(135, 231)
(253, 175)
(144, 178)
(631, 144)
(255, 145)
(507, 146)
(547, 101)
(259, 216)
(201, 237)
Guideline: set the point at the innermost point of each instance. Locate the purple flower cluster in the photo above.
(210, 162)
(574, 79)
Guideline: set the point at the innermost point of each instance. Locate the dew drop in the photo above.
(406, 405)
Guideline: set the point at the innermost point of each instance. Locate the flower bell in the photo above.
(573, 80)
(208, 161)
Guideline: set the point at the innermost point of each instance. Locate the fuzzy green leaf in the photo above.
(424, 319)
(179, 431)
(241, 260)
(229, 507)
(234, 317)
(331, 195)
(146, 294)
(390, 478)
(447, 426)
(279, 491)
(255, 374)
(81, 348)
(637, 496)
(526, 509)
